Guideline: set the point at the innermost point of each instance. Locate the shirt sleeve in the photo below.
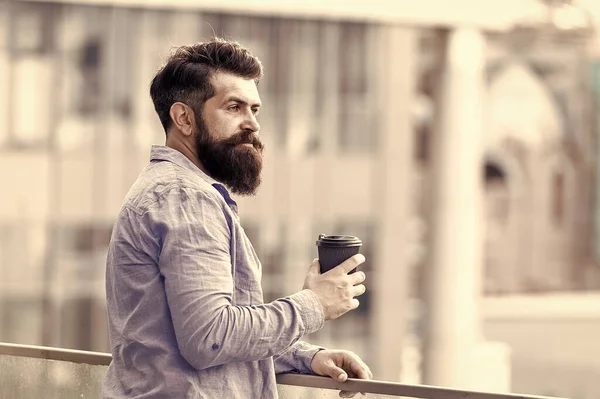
(194, 240)
(296, 359)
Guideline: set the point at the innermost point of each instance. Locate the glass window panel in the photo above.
(22, 251)
(28, 33)
(83, 59)
(5, 71)
(358, 129)
(38, 378)
(33, 79)
(22, 319)
(149, 55)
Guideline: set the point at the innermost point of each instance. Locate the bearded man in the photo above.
(185, 305)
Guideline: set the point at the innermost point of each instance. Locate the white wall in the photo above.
(554, 342)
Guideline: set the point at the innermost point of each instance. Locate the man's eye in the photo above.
(234, 108)
(255, 111)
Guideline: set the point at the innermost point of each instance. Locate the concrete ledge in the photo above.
(484, 14)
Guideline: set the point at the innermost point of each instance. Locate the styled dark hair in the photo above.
(186, 75)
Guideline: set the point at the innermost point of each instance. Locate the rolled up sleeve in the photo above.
(297, 358)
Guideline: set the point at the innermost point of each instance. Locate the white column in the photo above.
(453, 277)
(396, 51)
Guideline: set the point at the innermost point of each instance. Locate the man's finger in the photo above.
(357, 278)
(360, 369)
(358, 290)
(349, 264)
(363, 374)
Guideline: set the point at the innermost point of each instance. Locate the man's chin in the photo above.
(246, 190)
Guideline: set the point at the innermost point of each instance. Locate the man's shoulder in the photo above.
(161, 178)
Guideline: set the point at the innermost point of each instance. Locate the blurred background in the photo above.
(458, 140)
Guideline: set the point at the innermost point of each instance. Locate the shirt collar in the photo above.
(164, 153)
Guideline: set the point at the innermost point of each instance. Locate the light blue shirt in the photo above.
(185, 305)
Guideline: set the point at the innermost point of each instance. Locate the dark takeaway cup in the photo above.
(335, 249)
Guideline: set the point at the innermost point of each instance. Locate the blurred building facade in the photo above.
(83, 72)
(349, 121)
(539, 162)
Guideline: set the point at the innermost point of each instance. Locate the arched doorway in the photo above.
(523, 129)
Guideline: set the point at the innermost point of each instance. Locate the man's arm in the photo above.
(297, 358)
(193, 236)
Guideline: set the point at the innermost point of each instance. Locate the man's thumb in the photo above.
(338, 374)
(314, 267)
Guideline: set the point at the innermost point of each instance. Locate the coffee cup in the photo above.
(335, 249)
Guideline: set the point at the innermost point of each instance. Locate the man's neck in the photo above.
(188, 151)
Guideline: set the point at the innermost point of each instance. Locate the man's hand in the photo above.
(340, 365)
(336, 288)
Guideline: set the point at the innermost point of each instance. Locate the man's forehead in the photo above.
(227, 85)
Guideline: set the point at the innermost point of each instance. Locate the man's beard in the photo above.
(229, 161)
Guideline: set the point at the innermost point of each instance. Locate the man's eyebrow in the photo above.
(240, 101)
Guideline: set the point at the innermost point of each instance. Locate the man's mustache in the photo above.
(245, 137)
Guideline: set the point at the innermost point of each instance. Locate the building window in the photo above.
(89, 238)
(558, 198)
(423, 113)
(89, 62)
(81, 249)
(422, 143)
(21, 320)
(356, 130)
(269, 244)
(32, 48)
(497, 194)
(76, 318)
(22, 244)
(34, 28)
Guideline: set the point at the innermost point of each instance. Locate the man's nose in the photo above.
(250, 123)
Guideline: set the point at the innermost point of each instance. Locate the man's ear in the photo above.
(183, 118)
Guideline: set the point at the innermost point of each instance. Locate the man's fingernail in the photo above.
(342, 377)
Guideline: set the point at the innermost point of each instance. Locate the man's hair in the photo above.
(186, 75)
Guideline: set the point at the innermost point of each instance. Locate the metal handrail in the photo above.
(308, 381)
(60, 354)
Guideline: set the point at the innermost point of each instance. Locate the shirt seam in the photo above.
(179, 183)
(175, 157)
